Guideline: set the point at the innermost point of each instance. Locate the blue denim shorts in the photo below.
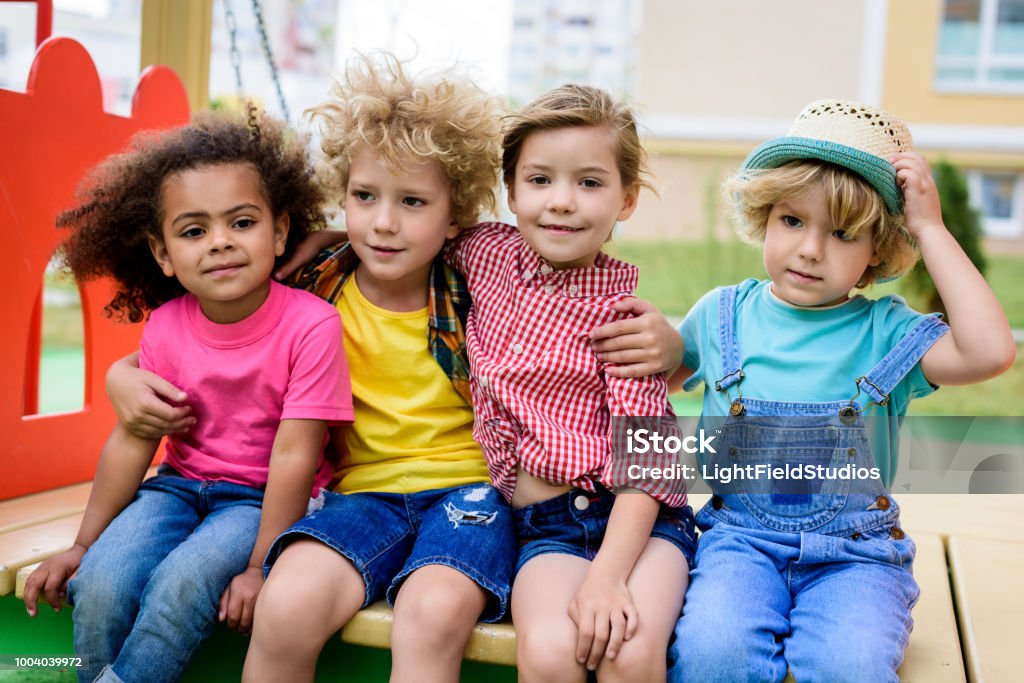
(574, 524)
(388, 536)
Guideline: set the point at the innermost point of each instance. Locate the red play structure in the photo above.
(50, 137)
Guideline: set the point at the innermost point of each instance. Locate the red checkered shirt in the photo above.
(541, 397)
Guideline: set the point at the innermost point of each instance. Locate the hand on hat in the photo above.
(922, 208)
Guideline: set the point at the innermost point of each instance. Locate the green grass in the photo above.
(62, 324)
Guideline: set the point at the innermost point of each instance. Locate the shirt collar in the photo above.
(448, 303)
(607, 276)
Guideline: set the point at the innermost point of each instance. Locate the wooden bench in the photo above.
(35, 527)
(991, 612)
(986, 582)
(38, 526)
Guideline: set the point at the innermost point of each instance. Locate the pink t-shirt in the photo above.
(285, 361)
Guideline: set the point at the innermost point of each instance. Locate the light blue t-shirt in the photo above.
(806, 355)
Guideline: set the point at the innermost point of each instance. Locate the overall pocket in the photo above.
(788, 476)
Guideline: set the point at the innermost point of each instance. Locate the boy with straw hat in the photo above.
(802, 564)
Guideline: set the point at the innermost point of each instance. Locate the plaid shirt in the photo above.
(541, 397)
(448, 307)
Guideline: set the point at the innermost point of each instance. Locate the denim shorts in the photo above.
(388, 536)
(574, 524)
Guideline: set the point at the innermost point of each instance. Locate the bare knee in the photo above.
(547, 655)
(439, 615)
(637, 660)
(299, 608)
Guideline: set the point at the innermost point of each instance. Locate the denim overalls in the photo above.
(810, 574)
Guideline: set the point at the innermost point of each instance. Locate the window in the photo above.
(981, 46)
(1000, 199)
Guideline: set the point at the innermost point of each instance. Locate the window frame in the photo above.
(982, 61)
(1011, 228)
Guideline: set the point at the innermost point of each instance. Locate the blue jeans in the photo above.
(833, 608)
(147, 592)
(388, 536)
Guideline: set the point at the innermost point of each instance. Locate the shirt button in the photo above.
(581, 503)
(882, 503)
(527, 274)
(851, 452)
(483, 382)
(716, 502)
(517, 349)
(545, 269)
(573, 289)
(897, 533)
(550, 289)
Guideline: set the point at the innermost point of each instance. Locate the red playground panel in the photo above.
(51, 136)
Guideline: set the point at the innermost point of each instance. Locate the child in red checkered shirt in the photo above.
(600, 577)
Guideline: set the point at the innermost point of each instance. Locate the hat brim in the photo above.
(877, 172)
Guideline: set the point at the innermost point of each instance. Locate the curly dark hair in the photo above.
(120, 201)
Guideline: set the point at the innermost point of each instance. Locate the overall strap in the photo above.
(730, 351)
(884, 377)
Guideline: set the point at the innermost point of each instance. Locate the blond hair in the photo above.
(853, 205)
(571, 106)
(401, 118)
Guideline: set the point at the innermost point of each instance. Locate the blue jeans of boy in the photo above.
(147, 592)
(839, 609)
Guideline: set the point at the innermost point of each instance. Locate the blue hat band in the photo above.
(878, 172)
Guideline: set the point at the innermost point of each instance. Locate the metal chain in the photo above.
(258, 11)
(235, 55)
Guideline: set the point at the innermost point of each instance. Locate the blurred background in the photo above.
(709, 80)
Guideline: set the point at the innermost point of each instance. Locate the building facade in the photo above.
(716, 79)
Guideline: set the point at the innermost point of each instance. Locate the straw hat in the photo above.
(856, 136)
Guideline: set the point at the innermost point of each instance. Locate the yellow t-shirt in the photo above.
(412, 431)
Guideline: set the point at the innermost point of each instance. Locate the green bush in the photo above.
(962, 221)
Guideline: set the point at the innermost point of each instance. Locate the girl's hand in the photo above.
(307, 250)
(640, 346)
(605, 616)
(142, 401)
(239, 600)
(922, 208)
(51, 578)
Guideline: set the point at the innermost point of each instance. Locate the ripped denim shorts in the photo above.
(387, 536)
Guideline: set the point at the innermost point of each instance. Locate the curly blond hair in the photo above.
(852, 204)
(571, 106)
(443, 117)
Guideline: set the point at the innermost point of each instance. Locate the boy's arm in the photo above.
(293, 464)
(123, 463)
(140, 400)
(677, 378)
(641, 345)
(602, 607)
(980, 344)
(313, 244)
